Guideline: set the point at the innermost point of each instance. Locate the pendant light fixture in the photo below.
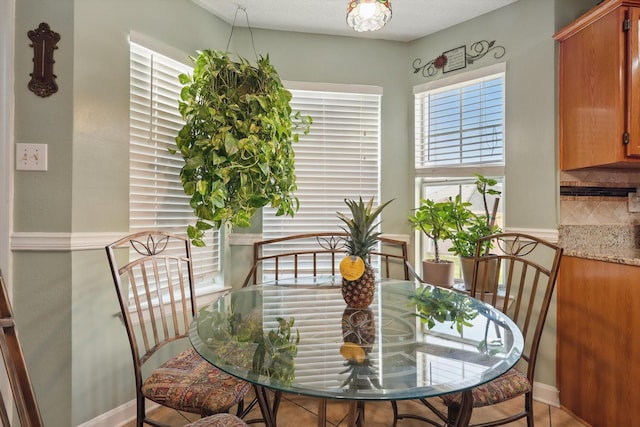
(368, 15)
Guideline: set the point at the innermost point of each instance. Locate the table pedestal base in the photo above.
(269, 409)
(462, 419)
(356, 416)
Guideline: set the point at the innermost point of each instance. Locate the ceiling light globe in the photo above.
(368, 15)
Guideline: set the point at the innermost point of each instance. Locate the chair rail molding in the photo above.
(244, 239)
(47, 242)
(550, 235)
(248, 239)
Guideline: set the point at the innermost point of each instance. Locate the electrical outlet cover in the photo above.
(634, 202)
(31, 157)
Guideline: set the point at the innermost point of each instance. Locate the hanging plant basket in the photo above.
(236, 141)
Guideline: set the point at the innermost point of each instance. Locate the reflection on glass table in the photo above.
(305, 340)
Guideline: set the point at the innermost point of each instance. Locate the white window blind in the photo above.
(157, 199)
(338, 159)
(319, 329)
(461, 124)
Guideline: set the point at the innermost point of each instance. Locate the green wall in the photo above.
(42, 203)
(525, 29)
(531, 197)
(74, 341)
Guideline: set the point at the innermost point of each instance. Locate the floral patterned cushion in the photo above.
(511, 384)
(219, 420)
(189, 383)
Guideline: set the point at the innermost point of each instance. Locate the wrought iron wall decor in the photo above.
(43, 42)
(458, 58)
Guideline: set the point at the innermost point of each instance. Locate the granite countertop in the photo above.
(611, 243)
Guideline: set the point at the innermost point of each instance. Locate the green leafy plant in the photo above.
(435, 305)
(281, 346)
(237, 141)
(434, 220)
(244, 343)
(468, 227)
(467, 232)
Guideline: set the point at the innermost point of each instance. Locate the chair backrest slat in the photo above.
(155, 289)
(316, 249)
(24, 397)
(525, 278)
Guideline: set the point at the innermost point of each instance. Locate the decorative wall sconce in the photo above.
(43, 42)
(368, 15)
(458, 58)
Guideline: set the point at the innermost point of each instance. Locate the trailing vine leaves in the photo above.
(237, 141)
(435, 305)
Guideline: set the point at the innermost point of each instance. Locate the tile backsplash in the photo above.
(596, 197)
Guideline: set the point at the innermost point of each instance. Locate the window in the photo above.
(156, 196)
(338, 159)
(459, 131)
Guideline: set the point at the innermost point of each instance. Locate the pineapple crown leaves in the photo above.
(361, 225)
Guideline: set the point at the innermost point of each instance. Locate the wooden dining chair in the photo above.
(155, 289)
(314, 254)
(525, 273)
(24, 398)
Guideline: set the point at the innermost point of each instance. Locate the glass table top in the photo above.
(413, 341)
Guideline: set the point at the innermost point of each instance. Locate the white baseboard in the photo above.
(118, 416)
(546, 394)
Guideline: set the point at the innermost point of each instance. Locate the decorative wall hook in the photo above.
(43, 42)
(458, 58)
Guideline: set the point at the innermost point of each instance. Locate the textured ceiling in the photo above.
(411, 19)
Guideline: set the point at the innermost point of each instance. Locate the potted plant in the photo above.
(469, 227)
(434, 219)
(236, 141)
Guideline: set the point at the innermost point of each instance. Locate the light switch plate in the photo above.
(31, 157)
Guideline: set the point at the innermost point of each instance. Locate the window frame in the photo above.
(331, 99)
(461, 174)
(208, 279)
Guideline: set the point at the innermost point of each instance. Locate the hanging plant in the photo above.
(236, 141)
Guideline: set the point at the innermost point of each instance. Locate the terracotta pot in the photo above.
(487, 275)
(438, 273)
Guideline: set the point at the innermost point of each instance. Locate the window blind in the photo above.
(461, 124)
(319, 328)
(338, 159)
(156, 195)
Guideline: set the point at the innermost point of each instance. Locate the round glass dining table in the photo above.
(298, 336)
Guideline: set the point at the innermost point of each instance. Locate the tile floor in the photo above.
(299, 411)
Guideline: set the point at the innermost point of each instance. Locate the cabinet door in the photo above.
(633, 90)
(598, 341)
(592, 94)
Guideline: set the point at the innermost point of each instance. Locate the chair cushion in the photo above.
(507, 386)
(189, 383)
(219, 420)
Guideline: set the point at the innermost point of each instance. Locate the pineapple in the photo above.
(358, 284)
(358, 327)
(362, 373)
(358, 335)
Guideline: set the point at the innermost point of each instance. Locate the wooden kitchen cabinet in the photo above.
(598, 341)
(599, 88)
